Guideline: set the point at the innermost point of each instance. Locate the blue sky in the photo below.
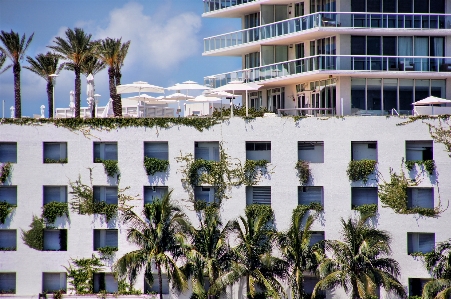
(166, 43)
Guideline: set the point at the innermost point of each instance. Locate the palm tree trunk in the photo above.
(50, 97)
(17, 99)
(118, 110)
(112, 86)
(77, 91)
(160, 281)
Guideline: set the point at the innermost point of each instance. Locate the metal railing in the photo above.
(329, 19)
(334, 63)
(212, 5)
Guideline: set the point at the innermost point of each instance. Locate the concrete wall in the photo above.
(30, 174)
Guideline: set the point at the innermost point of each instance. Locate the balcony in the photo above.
(213, 5)
(342, 21)
(330, 63)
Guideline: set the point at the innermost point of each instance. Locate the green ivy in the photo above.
(111, 167)
(8, 248)
(154, 165)
(240, 111)
(5, 171)
(5, 210)
(366, 209)
(429, 165)
(107, 251)
(53, 210)
(58, 294)
(123, 288)
(314, 206)
(80, 274)
(359, 170)
(62, 161)
(252, 169)
(34, 237)
(303, 169)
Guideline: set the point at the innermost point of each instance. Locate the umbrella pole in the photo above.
(231, 103)
(247, 110)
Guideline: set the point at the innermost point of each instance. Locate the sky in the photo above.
(166, 43)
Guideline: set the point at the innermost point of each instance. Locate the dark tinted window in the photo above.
(389, 6)
(357, 5)
(422, 6)
(374, 5)
(374, 45)
(437, 6)
(358, 46)
(389, 45)
(405, 6)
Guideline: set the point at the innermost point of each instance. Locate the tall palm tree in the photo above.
(45, 65)
(76, 48)
(92, 65)
(439, 264)
(209, 255)
(161, 240)
(297, 252)
(2, 62)
(252, 258)
(360, 264)
(14, 48)
(112, 52)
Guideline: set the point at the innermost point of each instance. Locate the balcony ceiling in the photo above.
(238, 11)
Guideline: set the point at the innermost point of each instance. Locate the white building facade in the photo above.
(345, 57)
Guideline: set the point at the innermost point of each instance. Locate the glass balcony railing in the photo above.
(334, 19)
(334, 63)
(212, 5)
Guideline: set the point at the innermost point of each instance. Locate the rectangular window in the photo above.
(405, 6)
(405, 96)
(363, 150)
(358, 91)
(153, 192)
(374, 45)
(420, 197)
(105, 237)
(8, 194)
(416, 286)
(55, 194)
(390, 93)
(358, 45)
(316, 237)
(8, 152)
(155, 287)
(8, 240)
(258, 150)
(420, 242)
(308, 195)
(258, 195)
(108, 194)
(374, 92)
(105, 282)
(53, 282)
(204, 193)
(419, 150)
(105, 151)
(55, 152)
(158, 150)
(7, 282)
(206, 150)
(363, 196)
(358, 6)
(311, 151)
(55, 240)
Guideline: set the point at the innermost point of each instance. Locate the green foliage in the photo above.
(366, 209)
(123, 288)
(5, 210)
(53, 210)
(111, 168)
(429, 165)
(58, 294)
(303, 171)
(62, 161)
(252, 169)
(80, 274)
(34, 237)
(240, 111)
(314, 206)
(360, 170)
(393, 194)
(86, 124)
(154, 165)
(107, 251)
(8, 248)
(5, 171)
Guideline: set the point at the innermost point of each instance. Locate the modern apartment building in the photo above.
(347, 57)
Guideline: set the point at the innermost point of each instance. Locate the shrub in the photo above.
(111, 167)
(53, 210)
(5, 210)
(154, 165)
(303, 171)
(360, 170)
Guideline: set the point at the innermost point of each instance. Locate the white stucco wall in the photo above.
(30, 174)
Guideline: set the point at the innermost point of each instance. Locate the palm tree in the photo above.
(358, 264)
(252, 258)
(161, 240)
(44, 66)
(297, 252)
(76, 48)
(438, 263)
(209, 255)
(112, 52)
(14, 48)
(2, 62)
(92, 65)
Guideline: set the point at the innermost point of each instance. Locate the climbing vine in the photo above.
(5, 171)
(5, 209)
(314, 206)
(62, 161)
(154, 165)
(359, 170)
(107, 252)
(366, 209)
(34, 237)
(53, 210)
(80, 274)
(254, 170)
(429, 165)
(303, 169)
(110, 166)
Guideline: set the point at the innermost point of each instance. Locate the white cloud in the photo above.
(161, 41)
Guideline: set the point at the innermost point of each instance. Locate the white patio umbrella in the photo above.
(138, 87)
(431, 100)
(204, 99)
(72, 102)
(90, 91)
(108, 109)
(238, 86)
(186, 86)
